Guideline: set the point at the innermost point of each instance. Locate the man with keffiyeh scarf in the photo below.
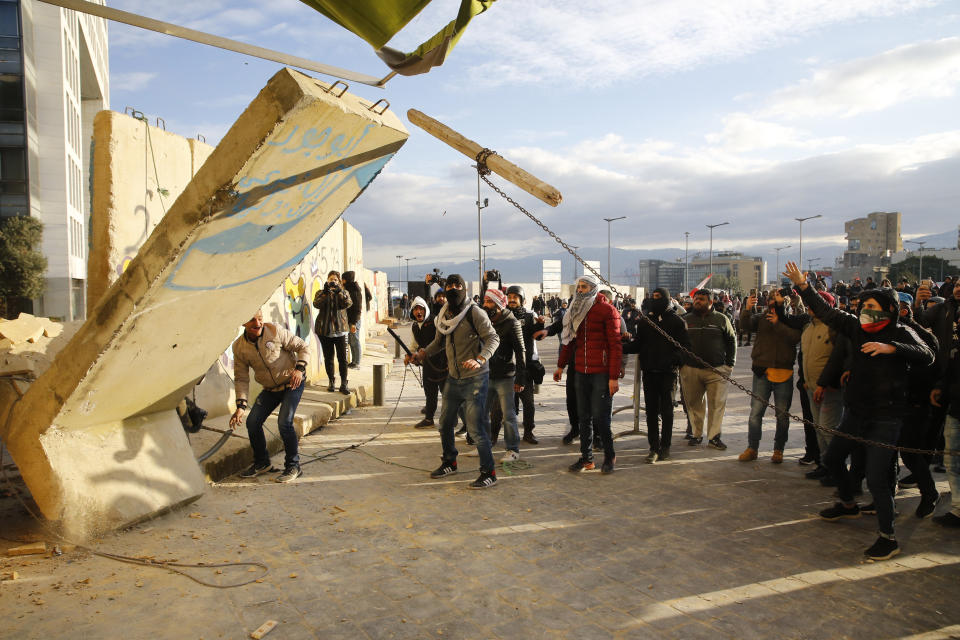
(591, 330)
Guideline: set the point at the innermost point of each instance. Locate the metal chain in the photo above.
(484, 171)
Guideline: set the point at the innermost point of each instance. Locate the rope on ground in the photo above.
(173, 567)
(509, 467)
(483, 171)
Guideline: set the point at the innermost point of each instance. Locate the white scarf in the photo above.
(582, 303)
(446, 325)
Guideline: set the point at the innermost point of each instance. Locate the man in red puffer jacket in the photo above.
(591, 330)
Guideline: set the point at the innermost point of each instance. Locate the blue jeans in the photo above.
(782, 397)
(266, 402)
(594, 404)
(826, 413)
(501, 392)
(471, 394)
(884, 429)
(356, 350)
(951, 436)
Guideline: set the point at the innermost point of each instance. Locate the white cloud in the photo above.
(923, 70)
(572, 41)
(744, 132)
(133, 81)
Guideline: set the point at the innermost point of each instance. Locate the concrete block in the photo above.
(279, 179)
(26, 328)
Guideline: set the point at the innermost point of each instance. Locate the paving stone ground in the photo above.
(700, 547)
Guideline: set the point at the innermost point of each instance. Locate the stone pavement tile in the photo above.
(613, 619)
(426, 607)
(340, 631)
(523, 629)
(457, 628)
(692, 630)
(400, 588)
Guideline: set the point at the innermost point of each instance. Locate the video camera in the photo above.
(492, 275)
(435, 277)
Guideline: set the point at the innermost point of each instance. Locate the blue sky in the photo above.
(673, 113)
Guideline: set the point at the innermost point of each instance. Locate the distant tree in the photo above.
(933, 267)
(731, 283)
(21, 264)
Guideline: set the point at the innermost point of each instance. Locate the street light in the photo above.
(480, 207)
(920, 251)
(484, 263)
(609, 220)
(408, 268)
(712, 227)
(801, 220)
(686, 263)
(778, 250)
(399, 272)
(810, 264)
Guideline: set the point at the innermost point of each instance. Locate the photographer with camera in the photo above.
(332, 327)
(774, 353)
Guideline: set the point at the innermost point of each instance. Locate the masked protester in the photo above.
(876, 397)
(591, 329)
(507, 373)
(466, 336)
(530, 324)
(659, 361)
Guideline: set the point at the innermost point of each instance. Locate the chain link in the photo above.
(484, 171)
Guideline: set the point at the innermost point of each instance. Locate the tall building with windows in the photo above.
(53, 81)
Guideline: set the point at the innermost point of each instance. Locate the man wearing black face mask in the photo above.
(530, 325)
(876, 398)
(465, 334)
(659, 361)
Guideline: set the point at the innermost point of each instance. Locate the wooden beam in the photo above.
(136, 20)
(497, 163)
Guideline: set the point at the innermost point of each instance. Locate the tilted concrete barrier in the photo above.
(96, 437)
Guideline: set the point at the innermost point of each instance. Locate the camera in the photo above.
(435, 277)
(786, 292)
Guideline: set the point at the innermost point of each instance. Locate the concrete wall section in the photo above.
(132, 172)
(279, 179)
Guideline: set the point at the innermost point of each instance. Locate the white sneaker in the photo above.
(471, 453)
(510, 456)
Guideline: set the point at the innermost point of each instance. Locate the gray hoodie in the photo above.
(466, 344)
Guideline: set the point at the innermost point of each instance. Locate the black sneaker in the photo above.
(882, 549)
(607, 466)
(949, 519)
(485, 480)
(908, 482)
(870, 509)
(445, 469)
(571, 435)
(839, 510)
(694, 441)
(529, 438)
(344, 389)
(652, 457)
(255, 470)
(462, 430)
(716, 443)
(426, 423)
(688, 436)
(581, 465)
(331, 387)
(290, 474)
(807, 459)
(470, 441)
(816, 474)
(353, 366)
(664, 454)
(927, 505)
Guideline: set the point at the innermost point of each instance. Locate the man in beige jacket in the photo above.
(279, 362)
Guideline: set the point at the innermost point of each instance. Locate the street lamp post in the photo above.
(480, 207)
(778, 250)
(399, 272)
(686, 263)
(801, 221)
(712, 227)
(408, 268)
(920, 251)
(483, 267)
(609, 220)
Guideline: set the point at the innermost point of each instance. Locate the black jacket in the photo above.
(356, 297)
(776, 344)
(508, 359)
(878, 385)
(940, 319)
(656, 352)
(949, 383)
(434, 367)
(712, 338)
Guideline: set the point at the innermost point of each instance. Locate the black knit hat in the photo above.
(456, 278)
(886, 297)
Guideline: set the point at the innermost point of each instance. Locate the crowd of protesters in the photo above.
(876, 367)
